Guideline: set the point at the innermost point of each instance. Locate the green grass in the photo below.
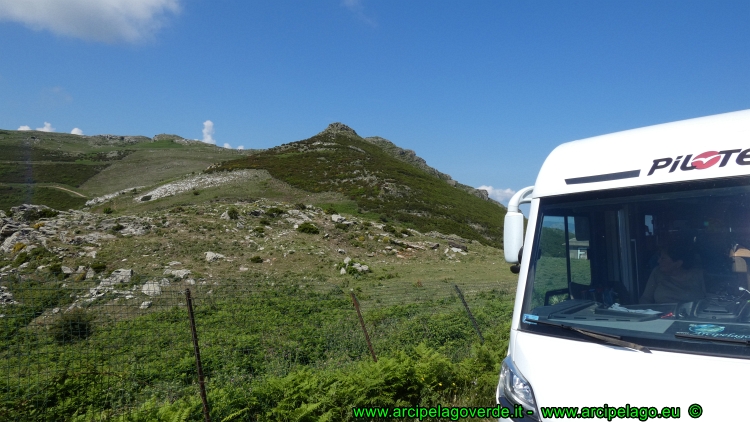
(269, 349)
(65, 173)
(13, 195)
(388, 187)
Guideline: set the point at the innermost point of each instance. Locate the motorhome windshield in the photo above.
(665, 267)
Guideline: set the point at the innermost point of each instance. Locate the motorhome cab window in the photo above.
(664, 268)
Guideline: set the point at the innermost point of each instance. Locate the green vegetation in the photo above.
(272, 351)
(14, 195)
(379, 184)
(72, 326)
(308, 228)
(71, 174)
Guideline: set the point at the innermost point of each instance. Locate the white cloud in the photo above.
(47, 128)
(76, 131)
(208, 132)
(227, 146)
(96, 20)
(241, 147)
(24, 127)
(357, 7)
(499, 195)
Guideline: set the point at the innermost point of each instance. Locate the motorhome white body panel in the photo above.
(630, 155)
(657, 379)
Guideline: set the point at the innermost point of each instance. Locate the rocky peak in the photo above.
(339, 128)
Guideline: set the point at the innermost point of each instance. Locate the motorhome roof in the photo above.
(703, 148)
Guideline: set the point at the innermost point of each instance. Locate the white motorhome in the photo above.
(633, 276)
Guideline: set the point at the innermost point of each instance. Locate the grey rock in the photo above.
(151, 288)
(9, 228)
(145, 305)
(24, 235)
(6, 297)
(213, 256)
(121, 275)
(67, 270)
(180, 273)
(458, 246)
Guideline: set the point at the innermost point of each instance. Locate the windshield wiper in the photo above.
(607, 338)
(708, 338)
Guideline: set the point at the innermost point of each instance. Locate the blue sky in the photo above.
(482, 90)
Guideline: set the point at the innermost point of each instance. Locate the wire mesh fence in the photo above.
(125, 350)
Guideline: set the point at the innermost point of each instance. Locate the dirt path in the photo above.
(68, 190)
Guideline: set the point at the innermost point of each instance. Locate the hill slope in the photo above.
(62, 170)
(339, 160)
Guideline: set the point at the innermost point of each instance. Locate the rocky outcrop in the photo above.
(202, 181)
(338, 128)
(213, 256)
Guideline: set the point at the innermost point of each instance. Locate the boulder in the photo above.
(458, 246)
(180, 273)
(8, 229)
(213, 256)
(118, 276)
(25, 235)
(145, 305)
(151, 288)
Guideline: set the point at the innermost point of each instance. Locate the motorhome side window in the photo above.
(666, 266)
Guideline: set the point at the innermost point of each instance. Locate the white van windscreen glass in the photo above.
(665, 267)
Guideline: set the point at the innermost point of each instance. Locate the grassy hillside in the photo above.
(380, 184)
(34, 166)
(277, 327)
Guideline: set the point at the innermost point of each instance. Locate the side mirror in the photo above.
(513, 236)
(513, 228)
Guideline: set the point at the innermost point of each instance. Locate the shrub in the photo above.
(56, 269)
(274, 212)
(38, 225)
(145, 198)
(34, 214)
(72, 326)
(406, 232)
(342, 226)
(233, 213)
(259, 230)
(118, 227)
(265, 222)
(330, 210)
(108, 210)
(300, 206)
(20, 259)
(18, 246)
(177, 209)
(256, 259)
(98, 266)
(389, 228)
(196, 192)
(308, 228)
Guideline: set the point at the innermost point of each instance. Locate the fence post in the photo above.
(362, 323)
(198, 363)
(471, 317)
